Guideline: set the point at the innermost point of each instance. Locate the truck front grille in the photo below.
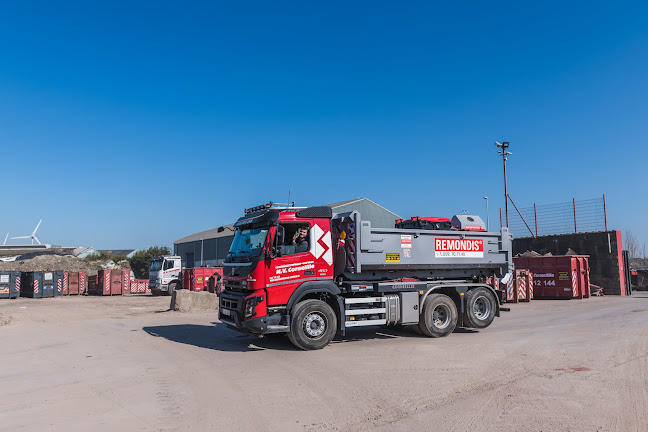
(229, 303)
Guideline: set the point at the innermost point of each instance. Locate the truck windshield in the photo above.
(248, 242)
(156, 265)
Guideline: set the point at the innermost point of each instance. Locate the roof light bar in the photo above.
(274, 206)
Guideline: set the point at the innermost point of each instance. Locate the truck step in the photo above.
(364, 300)
(278, 329)
(365, 311)
(365, 323)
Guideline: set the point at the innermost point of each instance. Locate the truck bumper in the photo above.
(230, 312)
(254, 326)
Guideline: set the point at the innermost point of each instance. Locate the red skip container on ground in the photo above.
(111, 282)
(554, 277)
(197, 279)
(74, 283)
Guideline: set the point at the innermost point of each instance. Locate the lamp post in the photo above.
(504, 152)
(487, 215)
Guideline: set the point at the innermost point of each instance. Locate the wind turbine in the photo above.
(32, 236)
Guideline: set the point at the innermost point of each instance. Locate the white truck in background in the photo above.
(165, 274)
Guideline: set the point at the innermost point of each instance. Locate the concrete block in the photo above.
(189, 301)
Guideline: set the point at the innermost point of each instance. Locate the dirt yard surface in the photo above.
(128, 364)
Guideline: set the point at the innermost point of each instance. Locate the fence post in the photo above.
(605, 212)
(575, 228)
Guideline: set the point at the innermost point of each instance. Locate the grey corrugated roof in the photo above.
(118, 252)
(340, 204)
(208, 234)
(343, 203)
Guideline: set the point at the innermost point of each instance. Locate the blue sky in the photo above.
(128, 124)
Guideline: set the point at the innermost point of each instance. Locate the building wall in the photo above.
(213, 251)
(379, 217)
(604, 248)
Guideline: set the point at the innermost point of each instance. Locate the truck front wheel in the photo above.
(313, 325)
(172, 287)
(439, 316)
(480, 308)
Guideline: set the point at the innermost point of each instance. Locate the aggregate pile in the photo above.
(54, 262)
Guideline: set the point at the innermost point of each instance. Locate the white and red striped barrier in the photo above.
(66, 285)
(139, 286)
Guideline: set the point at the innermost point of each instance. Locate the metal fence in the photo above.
(577, 216)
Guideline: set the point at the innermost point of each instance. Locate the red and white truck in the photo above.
(355, 275)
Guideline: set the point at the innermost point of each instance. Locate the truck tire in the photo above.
(155, 292)
(313, 325)
(439, 316)
(480, 308)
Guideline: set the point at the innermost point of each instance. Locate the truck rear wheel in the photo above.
(439, 316)
(313, 325)
(480, 308)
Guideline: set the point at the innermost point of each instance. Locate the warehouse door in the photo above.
(190, 260)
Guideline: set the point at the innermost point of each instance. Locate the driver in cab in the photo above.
(300, 240)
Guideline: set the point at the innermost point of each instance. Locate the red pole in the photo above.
(575, 229)
(605, 212)
(501, 218)
(535, 213)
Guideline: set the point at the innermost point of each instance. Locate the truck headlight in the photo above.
(250, 305)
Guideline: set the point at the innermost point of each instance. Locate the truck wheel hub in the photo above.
(441, 316)
(314, 325)
(481, 308)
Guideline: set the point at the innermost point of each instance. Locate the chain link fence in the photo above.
(578, 216)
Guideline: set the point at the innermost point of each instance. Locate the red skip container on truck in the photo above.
(312, 274)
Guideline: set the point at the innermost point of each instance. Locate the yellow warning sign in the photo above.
(391, 258)
(563, 276)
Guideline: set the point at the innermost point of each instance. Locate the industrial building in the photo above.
(209, 248)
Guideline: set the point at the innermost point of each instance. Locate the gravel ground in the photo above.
(127, 363)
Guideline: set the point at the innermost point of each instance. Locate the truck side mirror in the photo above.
(280, 235)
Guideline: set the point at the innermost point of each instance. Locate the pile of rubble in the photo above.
(53, 262)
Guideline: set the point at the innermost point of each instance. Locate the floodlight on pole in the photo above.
(504, 152)
(487, 215)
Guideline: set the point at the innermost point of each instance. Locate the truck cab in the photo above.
(263, 268)
(165, 274)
